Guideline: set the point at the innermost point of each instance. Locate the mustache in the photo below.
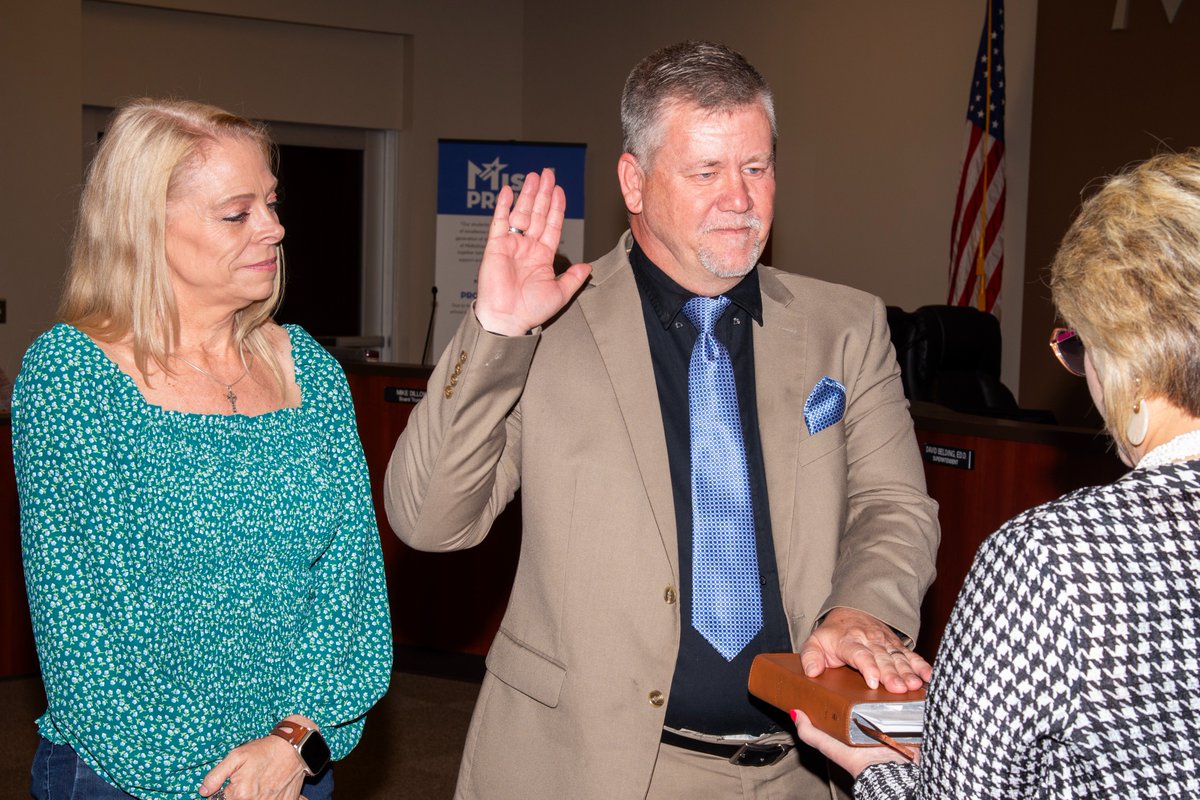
(751, 221)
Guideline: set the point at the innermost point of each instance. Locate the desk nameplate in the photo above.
(400, 394)
(957, 457)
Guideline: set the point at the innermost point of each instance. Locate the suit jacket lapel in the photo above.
(612, 307)
(781, 351)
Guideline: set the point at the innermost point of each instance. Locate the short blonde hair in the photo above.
(118, 283)
(1127, 278)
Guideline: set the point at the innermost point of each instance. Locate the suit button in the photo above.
(669, 596)
(657, 699)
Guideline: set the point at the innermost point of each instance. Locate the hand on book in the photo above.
(852, 759)
(847, 637)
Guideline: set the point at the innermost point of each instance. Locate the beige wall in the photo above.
(1105, 98)
(40, 79)
(460, 78)
(871, 98)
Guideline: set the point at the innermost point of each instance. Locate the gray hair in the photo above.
(704, 74)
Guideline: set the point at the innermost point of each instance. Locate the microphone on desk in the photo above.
(429, 329)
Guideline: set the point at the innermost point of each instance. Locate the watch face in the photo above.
(315, 752)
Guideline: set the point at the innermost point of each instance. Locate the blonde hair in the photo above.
(118, 283)
(1127, 278)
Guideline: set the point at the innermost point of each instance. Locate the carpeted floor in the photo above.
(409, 750)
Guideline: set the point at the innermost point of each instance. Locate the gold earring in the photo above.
(1138, 424)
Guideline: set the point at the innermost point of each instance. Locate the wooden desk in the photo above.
(1014, 466)
(453, 602)
(449, 602)
(17, 655)
(443, 601)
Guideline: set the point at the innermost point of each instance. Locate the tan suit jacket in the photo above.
(580, 672)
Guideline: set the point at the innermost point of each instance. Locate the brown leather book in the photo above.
(834, 699)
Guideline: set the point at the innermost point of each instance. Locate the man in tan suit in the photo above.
(600, 682)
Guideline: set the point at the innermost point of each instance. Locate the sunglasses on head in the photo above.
(1068, 349)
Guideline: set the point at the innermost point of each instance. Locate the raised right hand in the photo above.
(517, 289)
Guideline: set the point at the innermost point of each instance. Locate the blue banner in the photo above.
(470, 177)
(471, 173)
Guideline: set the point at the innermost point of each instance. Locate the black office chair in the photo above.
(950, 355)
(902, 326)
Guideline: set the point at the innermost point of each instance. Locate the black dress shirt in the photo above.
(708, 693)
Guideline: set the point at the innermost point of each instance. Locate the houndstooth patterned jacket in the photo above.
(1070, 665)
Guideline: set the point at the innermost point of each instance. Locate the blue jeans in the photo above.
(59, 774)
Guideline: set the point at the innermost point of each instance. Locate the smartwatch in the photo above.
(309, 743)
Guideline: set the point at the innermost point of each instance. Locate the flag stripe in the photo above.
(974, 133)
(980, 199)
(973, 188)
(966, 293)
(966, 240)
(964, 263)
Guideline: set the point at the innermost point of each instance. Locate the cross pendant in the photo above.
(232, 398)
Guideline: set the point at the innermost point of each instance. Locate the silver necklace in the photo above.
(1184, 447)
(229, 395)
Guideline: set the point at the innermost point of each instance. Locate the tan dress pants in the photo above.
(681, 774)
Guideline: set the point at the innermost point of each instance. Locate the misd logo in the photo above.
(484, 182)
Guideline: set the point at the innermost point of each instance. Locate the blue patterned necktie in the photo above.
(726, 597)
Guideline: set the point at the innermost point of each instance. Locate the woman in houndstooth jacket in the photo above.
(1068, 667)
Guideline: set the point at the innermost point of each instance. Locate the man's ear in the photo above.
(630, 176)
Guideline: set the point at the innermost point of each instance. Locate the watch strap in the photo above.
(292, 732)
(308, 743)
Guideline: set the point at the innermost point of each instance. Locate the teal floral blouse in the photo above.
(194, 578)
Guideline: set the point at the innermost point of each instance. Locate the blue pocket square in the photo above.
(825, 405)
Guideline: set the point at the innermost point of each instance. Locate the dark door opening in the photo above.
(321, 189)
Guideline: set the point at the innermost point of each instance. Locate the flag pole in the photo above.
(980, 271)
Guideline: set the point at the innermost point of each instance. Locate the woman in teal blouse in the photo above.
(201, 553)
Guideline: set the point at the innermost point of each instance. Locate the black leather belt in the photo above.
(742, 754)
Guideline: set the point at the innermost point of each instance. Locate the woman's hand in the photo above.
(852, 759)
(517, 289)
(261, 769)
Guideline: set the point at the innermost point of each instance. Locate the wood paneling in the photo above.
(17, 655)
(449, 602)
(1105, 97)
(453, 602)
(442, 601)
(1016, 466)
(460, 597)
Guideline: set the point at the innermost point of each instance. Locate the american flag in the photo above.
(977, 234)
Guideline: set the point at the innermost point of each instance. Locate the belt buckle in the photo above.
(753, 754)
